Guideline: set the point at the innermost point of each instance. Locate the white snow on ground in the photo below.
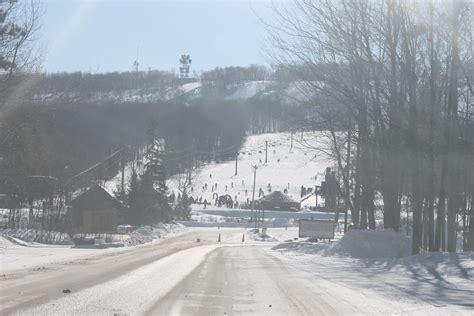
(248, 90)
(372, 244)
(187, 87)
(5, 243)
(134, 292)
(16, 257)
(365, 244)
(440, 279)
(440, 285)
(18, 254)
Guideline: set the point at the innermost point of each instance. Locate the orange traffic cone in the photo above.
(243, 237)
(219, 239)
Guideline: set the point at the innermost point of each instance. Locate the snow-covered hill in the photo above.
(291, 93)
(286, 168)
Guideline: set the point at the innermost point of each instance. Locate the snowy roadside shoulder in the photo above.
(385, 250)
(362, 244)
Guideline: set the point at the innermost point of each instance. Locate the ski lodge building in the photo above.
(278, 201)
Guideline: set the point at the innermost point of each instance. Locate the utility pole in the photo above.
(316, 195)
(291, 145)
(266, 151)
(253, 193)
(236, 158)
(123, 172)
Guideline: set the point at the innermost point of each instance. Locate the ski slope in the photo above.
(287, 167)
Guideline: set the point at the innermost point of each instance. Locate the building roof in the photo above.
(95, 190)
(277, 197)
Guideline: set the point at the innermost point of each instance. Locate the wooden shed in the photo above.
(278, 201)
(95, 211)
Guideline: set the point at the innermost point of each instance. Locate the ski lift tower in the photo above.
(185, 61)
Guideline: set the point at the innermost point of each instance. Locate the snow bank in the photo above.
(146, 234)
(258, 236)
(5, 243)
(38, 236)
(364, 244)
(29, 237)
(384, 243)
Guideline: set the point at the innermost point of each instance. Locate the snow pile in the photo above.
(145, 234)
(38, 236)
(142, 235)
(173, 228)
(384, 243)
(258, 236)
(363, 244)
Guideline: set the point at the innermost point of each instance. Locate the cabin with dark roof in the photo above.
(278, 201)
(95, 211)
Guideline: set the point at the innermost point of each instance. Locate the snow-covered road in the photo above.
(255, 280)
(131, 293)
(183, 277)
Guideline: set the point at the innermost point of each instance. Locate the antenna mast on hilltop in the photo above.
(134, 79)
(185, 61)
(136, 63)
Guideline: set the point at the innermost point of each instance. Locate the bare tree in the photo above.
(386, 78)
(19, 22)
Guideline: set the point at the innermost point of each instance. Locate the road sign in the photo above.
(316, 228)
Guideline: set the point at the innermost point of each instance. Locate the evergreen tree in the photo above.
(150, 199)
(155, 166)
(134, 201)
(154, 192)
(183, 206)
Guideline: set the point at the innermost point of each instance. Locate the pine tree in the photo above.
(153, 185)
(134, 201)
(150, 198)
(183, 206)
(155, 166)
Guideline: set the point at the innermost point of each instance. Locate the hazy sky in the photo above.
(103, 35)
